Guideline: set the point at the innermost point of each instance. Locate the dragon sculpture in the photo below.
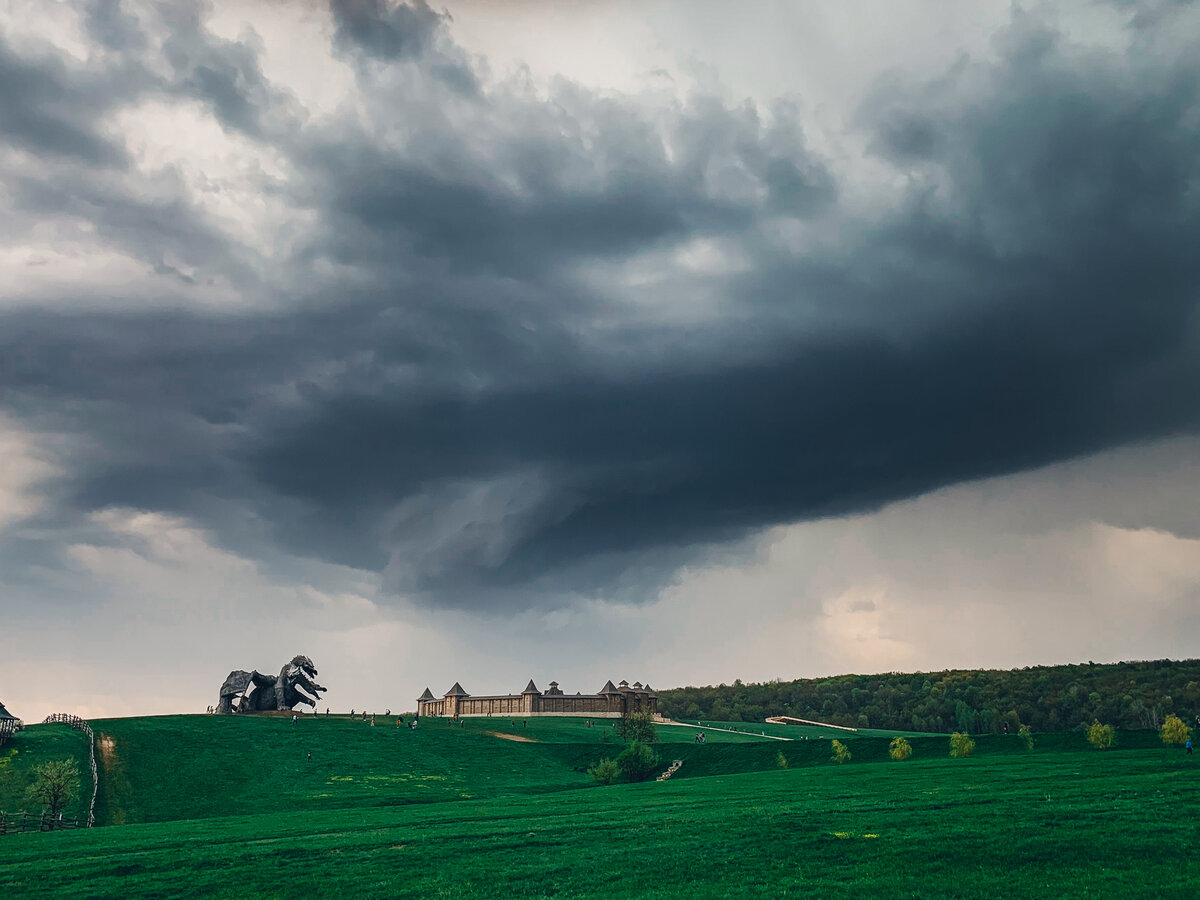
(254, 692)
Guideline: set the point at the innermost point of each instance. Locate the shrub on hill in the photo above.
(899, 749)
(1101, 736)
(1174, 731)
(605, 771)
(961, 745)
(1026, 734)
(841, 753)
(637, 762)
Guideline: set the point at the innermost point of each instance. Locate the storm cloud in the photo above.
(506, 345)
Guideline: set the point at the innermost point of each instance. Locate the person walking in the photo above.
(1188, 745)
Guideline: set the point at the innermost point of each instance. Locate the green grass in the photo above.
(798, 732)
(231, 807)
(568, 729)
(1066, 823)
(33, 746)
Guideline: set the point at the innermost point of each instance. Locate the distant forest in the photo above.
(1047, 698)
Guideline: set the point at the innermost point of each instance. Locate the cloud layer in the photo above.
(507, 345)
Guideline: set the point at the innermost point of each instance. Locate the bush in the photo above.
(899, 749)
(1174, 731)
(1101, 736)
(637, 762)
(781, 760)
(1026, 734)
(961, 745)
(605, 771)
(841, 753)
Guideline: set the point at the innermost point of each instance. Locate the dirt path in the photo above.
(512, 737)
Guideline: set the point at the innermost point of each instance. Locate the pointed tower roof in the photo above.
(530, 688)
(608, 688)
(428, 695)
(457, 691)
(624, 686)
(4, 713)
(637, 685)
(650, 691)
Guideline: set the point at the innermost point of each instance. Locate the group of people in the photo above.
(700, 737)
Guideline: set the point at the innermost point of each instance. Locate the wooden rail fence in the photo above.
(19, 823)
(81, 725)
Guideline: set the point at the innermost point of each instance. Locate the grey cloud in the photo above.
(114, 28)
(463, 410)
(384, 30)
(46, 108)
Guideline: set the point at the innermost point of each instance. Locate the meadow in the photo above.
(232, 807)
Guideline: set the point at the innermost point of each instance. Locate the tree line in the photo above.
(1046, 698)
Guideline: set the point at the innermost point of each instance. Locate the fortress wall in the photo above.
(597, 706)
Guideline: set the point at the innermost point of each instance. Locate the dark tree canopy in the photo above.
(1047, 698)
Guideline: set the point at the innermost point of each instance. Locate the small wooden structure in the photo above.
(9, 725)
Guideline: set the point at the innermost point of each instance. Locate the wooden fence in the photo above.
(81, 725)
(19, 823)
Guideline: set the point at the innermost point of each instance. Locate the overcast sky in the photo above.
(669, 341)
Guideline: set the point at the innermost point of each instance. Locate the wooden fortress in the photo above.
(611, 702)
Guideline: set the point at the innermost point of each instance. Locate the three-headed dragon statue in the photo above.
(254, 692)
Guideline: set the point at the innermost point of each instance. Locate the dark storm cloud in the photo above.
(464, 409)
(47, 109)
(383, 30)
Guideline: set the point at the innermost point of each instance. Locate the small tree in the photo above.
(605, 771)
(899, 749)
(1101, 736)
(1174, 731)
(55, 784)
(638, 725)
(1026, 734)
(637, 761)
(961, 745)
(841, 753)
(781, 760)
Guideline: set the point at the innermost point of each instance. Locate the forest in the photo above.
(1047, 698)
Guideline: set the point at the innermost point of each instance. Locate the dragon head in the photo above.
(298, 680)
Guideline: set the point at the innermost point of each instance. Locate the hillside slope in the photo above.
(1064, 824)
(35, 745)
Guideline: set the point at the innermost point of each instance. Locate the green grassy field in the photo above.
(231, 807)
(35, 745)
(797, 732)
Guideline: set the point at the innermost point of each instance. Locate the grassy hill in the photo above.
(175, 767)
(1059, 821)
(33, 746)
(233, 807)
